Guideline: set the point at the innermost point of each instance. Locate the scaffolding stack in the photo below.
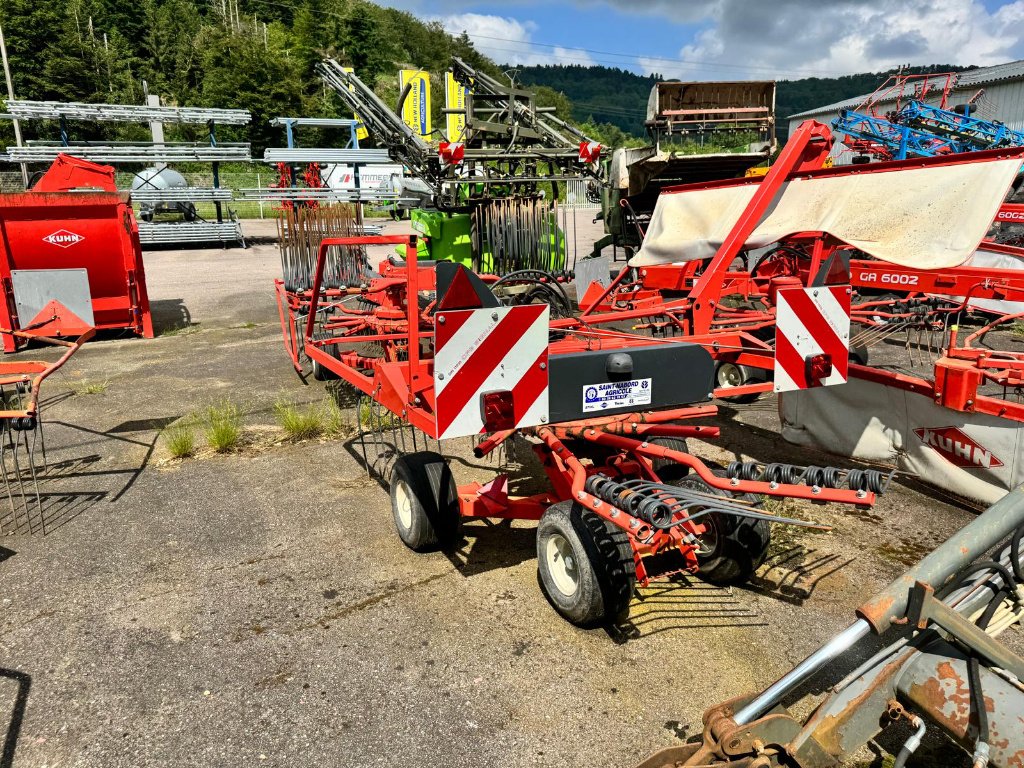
(225, 229)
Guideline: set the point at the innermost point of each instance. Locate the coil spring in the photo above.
(648, 508)
(866, 480)
(824, 477)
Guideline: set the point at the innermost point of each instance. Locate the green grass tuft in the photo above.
(1018, 328)
(337, 423)
(222, 425)
(183, 329)
(89, 387)
(299, 423)
(180, 440)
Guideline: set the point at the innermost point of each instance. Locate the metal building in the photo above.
(1002, 98)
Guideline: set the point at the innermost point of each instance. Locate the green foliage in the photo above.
(180, 440)
(87, 387)
(618, 97)
(299, 423)
(246, 54)
(260, 55)
(222, 425)
(601, 96)
(337, 423)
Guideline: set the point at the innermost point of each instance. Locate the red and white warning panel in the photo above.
(812, 337)
(490, 369)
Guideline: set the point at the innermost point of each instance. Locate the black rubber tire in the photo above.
(425, 481)
(606, 572)
(669, 471)
(321, 373)
(739, 399)
(741, 544)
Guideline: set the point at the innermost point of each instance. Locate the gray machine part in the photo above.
(677, 375)
(35, 288)
(593, 270)
(923, 674)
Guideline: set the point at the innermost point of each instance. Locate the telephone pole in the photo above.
(10, 96)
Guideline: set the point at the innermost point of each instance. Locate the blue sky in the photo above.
(736, 39)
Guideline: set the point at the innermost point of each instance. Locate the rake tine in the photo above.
(30, 451)
(3, 469)
(17, 474)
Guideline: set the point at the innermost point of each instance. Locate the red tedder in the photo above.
(70, 257)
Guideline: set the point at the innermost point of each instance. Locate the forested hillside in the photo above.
(252, 54)
(259, 55)
(619, 97)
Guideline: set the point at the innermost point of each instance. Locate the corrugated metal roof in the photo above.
(1012, 70)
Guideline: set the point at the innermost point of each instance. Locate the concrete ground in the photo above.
(258, 608)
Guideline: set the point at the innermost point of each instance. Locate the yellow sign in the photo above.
(361, 132)
(416, 109)
(454, 98)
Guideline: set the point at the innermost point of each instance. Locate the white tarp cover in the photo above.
(973, 455)
(996, 260)
(930, 218)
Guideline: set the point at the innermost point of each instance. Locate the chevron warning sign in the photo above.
(812, 337)
(490, 369)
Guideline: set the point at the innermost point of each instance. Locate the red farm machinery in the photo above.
(70, 257)
(70, 264)
(600, 404)
(756, 276)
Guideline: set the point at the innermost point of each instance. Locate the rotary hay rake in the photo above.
(22, 442)
(719, 256)
(628, 502)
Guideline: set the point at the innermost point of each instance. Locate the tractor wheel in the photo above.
(732, 375)
(585, 564)
(732, 547)
(668, 470)
(424, 501)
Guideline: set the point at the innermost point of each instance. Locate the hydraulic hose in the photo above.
(912, 743)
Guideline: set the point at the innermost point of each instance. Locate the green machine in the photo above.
(497, 236)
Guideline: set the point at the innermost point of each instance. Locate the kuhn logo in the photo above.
(63, 238)
(957, 448)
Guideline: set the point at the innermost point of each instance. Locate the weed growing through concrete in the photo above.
(337, 423)
(180, 330)
(180, 440)
(89, 387)
(376, 418)
(222, 425)
(1018, 329)
(299, 423)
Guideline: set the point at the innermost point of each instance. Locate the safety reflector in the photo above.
(812, 337)
(499, 410)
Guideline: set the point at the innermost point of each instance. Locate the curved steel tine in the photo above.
(4, 427)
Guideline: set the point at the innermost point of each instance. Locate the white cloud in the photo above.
(801, 38)
(508, 40)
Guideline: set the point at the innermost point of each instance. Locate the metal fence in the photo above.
(573, 193)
